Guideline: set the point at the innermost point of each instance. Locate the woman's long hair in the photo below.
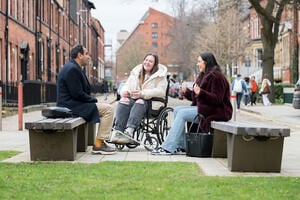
(210, 63)
(154, 69)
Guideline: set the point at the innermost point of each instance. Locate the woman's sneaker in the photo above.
(160, 152)
(118, 138)
(179, 151)
(129, 136)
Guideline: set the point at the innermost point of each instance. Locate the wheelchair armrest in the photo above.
(158, 99)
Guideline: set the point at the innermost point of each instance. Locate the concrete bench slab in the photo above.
(57, 139)
(250, 147)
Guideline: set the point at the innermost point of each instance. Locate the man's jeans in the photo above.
(176, 136)
(129, 114)
(239, 96)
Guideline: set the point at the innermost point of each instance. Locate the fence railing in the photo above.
(34, 93)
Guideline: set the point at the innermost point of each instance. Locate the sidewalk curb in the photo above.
(260, 115)
(251, 111)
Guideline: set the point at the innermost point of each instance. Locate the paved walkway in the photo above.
(12, 139)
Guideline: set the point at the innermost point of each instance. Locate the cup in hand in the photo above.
(135, 94)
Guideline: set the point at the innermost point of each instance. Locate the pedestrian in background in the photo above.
(238, 86)
(105, 89)
(297, 86)
(247, 93)
(265, 90)
(254, 88)
(115, 89)
(74, 92)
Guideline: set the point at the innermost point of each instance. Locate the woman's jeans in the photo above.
(129, 113)
(265, 99)
(176, 136)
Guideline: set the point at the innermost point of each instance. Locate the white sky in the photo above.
(115, 15)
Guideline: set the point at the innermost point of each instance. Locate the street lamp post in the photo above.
(6, 52)
(95, 75)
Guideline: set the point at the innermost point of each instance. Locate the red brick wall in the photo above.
(24, 25)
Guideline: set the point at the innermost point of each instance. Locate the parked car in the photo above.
(174, 90)
(189, 84)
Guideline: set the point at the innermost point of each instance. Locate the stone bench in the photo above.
(249, 147)
(59, 138)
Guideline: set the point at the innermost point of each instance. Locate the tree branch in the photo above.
(263, 11)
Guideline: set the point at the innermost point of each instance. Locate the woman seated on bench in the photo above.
(210, 97)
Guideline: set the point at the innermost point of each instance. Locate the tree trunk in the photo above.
(269, 43)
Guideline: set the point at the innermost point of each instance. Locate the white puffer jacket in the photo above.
(154, 86)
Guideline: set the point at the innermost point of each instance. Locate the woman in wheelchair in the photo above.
(210, 97)
(145, 81)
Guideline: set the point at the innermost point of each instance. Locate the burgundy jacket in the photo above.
(213, 101)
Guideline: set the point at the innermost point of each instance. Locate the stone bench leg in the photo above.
(53, 145)
(219, 144)
(82, 138)
(256, 155)
(91, 134)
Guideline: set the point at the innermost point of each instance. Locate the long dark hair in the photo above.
(210, 63)
(154, 69)
(210, 60)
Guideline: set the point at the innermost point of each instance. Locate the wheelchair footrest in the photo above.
(132, 139)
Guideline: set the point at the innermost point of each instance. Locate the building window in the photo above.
(259, 55)
(255, 29)
(154, 25)
(154, 45)
(154, 34)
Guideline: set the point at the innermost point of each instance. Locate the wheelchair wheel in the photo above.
(136, 136)
(132, 146)
(164, 122)
(119, 146)
(150, 143)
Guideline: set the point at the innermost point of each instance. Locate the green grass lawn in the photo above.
(135, 180)
(7, 154)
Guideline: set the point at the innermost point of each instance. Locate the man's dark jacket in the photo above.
(73, 92)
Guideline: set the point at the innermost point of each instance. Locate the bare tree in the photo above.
(270, 15)
(183, 34)
(223, 34)
(131, 54)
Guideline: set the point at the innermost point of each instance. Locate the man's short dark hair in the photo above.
(75, 50)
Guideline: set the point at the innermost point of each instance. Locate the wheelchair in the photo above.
(154, 127)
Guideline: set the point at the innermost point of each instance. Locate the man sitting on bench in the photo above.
(73, 92)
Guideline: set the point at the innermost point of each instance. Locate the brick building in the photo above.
(36, 37)
(285, 68)
(150, 35)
